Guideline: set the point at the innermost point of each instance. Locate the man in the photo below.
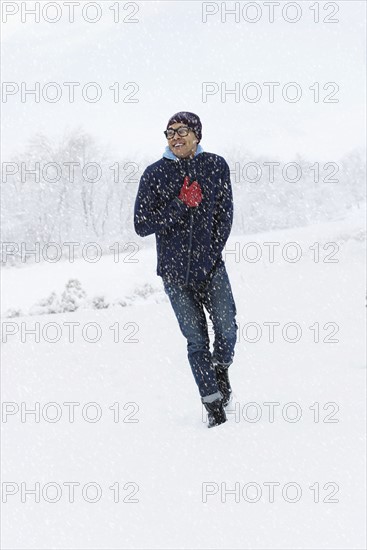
(185, 198)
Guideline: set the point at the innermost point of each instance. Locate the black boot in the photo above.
(223, 383)
(216, 413)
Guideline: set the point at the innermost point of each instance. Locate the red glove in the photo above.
(190, 195)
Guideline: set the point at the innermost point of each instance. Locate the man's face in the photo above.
(182, 147)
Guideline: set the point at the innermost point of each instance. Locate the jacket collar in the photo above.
(169, 155)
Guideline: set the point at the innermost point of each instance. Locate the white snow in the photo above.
(169, 453)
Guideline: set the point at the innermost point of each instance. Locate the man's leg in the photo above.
(192, 321)
(218, 300)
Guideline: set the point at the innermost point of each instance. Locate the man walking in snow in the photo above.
(185, 198)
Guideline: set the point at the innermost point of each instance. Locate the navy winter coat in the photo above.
(189, 240)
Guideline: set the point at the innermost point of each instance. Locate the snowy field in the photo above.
(295, 426)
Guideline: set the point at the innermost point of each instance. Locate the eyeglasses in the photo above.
(182, 131)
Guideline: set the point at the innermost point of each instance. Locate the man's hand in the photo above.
(191, 195)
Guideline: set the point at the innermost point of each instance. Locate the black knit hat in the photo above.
(192, 120)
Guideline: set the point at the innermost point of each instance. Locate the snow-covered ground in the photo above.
(155, 440)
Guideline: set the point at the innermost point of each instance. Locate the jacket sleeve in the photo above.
(222, 215)
(149, 214)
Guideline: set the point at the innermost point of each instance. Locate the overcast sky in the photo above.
(169, 53)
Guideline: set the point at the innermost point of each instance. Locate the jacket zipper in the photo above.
(190, 244)
(190, 234)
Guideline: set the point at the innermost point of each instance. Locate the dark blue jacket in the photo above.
(189, 241)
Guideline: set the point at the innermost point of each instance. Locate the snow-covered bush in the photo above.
(73, 296)
(13, 312)
(99, 302)
(46, 305)
(144, 291)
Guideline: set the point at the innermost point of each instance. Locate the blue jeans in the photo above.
(215, 294)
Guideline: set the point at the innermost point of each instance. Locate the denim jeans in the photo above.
(215, 294)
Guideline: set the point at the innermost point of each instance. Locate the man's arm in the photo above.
(149, 215)
(222, 215)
